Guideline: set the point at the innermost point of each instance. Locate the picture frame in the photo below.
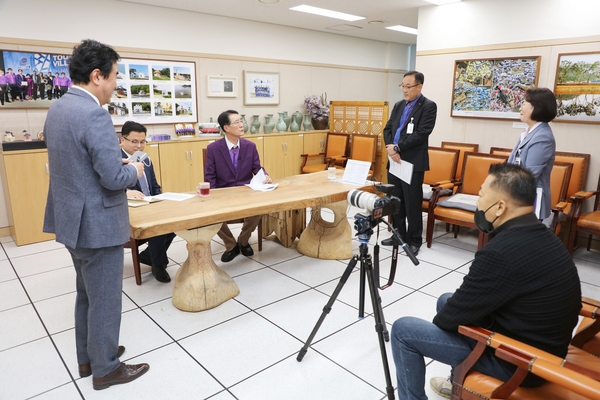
(577, 87)
(46, 63)
(492, 87)
(153, 91)
(221, 86)
(261, 88)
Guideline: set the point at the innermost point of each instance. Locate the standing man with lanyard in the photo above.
(406, 136)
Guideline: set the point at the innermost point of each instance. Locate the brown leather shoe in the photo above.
(124, 374)
(85, 370)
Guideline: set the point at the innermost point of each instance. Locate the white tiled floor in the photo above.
(244, 349)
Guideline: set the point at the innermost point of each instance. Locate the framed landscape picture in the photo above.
(154, 92)
(492, 88)
(577, 87)
(261, 88)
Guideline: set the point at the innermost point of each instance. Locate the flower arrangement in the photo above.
(317, 106)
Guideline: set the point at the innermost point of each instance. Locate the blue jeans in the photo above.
(414, 338)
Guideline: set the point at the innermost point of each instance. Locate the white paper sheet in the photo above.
(257, 182)
(174, 196)
(402, 170)
(356, 172)
(468, 199)
(539, 193)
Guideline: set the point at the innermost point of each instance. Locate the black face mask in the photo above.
(483, 224)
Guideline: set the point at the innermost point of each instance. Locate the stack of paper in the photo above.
(257, 182)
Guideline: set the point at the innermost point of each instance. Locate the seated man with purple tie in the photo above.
(133, 138)
(233, 161)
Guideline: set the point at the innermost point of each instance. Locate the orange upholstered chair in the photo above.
(589, 222)
(442, 169)
(335, 152)
(463, 148)
(503, 151)
(453, 210)
(364, 148)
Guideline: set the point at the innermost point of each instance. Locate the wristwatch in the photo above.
(396, 149)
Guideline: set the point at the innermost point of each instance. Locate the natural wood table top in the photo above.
(293, 192)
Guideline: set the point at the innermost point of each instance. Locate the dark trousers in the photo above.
(3, 93)
(49, 92)
(411, 199)
(14, 92)
(99, 285)
(157, 249)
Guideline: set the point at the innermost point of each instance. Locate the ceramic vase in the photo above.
(281, 125)
(255, 125)
(320, 123)
(294, 127)
(287, 119)
(245, 123)
(307, 123)
(269, 124)
(298, 117)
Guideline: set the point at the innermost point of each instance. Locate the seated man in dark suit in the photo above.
(133, 138)
(233, 161)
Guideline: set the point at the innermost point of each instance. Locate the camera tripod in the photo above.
(366, 270)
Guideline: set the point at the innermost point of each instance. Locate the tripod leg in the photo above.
(328, 307)
(380, 327)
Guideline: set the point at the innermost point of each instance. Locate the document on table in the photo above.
(539, 193)
(402, 170)
(356, 172)
(257, 182)
(174, 196)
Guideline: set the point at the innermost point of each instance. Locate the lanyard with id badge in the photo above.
(518, 157)
(410, 127)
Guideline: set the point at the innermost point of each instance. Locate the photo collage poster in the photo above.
(154, 92)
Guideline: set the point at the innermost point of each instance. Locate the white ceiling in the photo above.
(391, 12)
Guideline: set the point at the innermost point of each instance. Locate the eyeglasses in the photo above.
(136, 142)
(237, 121)
(409, 86)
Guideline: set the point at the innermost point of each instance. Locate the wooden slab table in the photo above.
(199, 283)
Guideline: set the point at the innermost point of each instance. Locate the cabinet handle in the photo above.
(47, 169)
(282, 148)
(191, 155)
(186, 155)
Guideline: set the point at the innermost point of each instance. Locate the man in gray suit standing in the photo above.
(87, 209)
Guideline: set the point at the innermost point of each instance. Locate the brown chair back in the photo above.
(336, 146)
(463, 148)
(559, 181)
(442, 165)
(581, 164)
(364, 148)
(475, 170)
(503, 151)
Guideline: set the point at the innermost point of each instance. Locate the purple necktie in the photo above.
(234, 157)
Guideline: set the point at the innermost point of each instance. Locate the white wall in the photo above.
(488, 30)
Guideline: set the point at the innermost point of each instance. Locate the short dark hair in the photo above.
(419, 77)
(224, 118)
(88, 56)
(516, 181)
(131, 126)
(543, 102)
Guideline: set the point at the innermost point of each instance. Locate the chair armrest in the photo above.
(305, 158)
(442, 185)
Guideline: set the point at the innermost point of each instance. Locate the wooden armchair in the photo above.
(364, 148)
(134, 245)
(462, 148)
(475, 170)
(589, 222)
(442, 169)
(503, 151)
(335, 153)
(581, 163)
(575, 377)
(560, 177)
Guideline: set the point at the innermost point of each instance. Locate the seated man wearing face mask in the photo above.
(522, 284)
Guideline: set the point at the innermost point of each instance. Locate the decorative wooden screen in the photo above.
(361, 117)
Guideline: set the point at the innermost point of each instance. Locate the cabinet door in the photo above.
(274, 156)
(294, 147)
(258, 141)
(197, 171)
(314, 142)
(152, 150)
(175, 167)
(28, 181)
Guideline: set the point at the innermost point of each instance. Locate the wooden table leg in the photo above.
(328, 240)
(287, 225)
(199, 283)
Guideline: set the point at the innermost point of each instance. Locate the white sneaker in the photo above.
(442, 386)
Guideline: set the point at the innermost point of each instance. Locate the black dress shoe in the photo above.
(414, 250)
(124, 374)
(388, 242)
(161, 274)
(231, 254)
(144, 257)
(246, 250)
(85, 370)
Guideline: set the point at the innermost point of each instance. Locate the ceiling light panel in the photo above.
(442, 2)
(401, 28)
(327, 13)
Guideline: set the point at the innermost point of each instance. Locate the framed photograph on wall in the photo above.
(492, 88)
(39, 91)
(221, 86)
(154, 92)
(261, 88)
(577, 87)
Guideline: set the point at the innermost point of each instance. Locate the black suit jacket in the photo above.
(150, 177)
(413, 147)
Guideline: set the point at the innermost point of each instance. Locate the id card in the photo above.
(410, 127)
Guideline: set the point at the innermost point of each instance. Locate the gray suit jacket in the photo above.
(87, 205)
(537, 154)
